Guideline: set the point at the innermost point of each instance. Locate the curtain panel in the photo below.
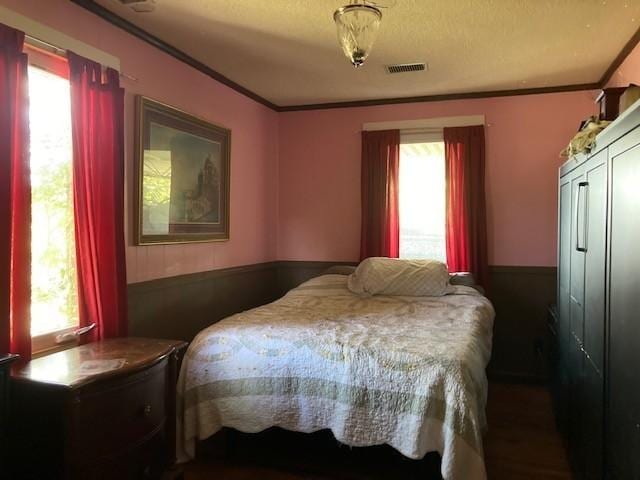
(466, 225)
(380, 230)
(97, 117)
(15, 197)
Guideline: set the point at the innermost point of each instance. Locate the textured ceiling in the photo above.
(286, 50)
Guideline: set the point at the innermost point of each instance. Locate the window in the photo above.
(422, 200)
(54, 299)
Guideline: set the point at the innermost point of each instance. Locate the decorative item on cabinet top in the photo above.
(583, 141)
(182, 165)
(628, 97)
(609, 103)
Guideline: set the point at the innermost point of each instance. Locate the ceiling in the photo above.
(286, 51)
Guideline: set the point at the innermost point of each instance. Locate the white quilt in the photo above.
(404, 371)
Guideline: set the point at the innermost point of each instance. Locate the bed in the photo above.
(404, 371)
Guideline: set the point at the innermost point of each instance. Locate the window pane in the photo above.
(422, 201)
(54, 302)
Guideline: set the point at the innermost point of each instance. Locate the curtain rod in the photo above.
(417, 130)
(36, 42)
(421, 130)
(408, 130)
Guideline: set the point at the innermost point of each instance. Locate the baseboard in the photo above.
(516, 378)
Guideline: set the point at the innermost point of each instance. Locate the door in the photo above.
(578, 247)
(576, 430)
(623, 365)
(592, 420)
(577, 235)
(561, 376)
(581, 292)
(594, 248)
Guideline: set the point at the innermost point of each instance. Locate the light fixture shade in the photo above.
(358, 26)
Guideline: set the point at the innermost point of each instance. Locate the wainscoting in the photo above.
(179, 307)
(293, 273)
(521, 297)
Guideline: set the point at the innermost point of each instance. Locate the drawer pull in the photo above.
(146, 411)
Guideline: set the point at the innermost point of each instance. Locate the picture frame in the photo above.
(182, 166)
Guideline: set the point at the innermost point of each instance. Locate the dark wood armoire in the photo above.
(598, 377)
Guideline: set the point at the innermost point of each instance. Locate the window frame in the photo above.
(422, 136)
(46, 343)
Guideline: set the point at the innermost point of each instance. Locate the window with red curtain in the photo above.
(380, 232)
(466, 228)
(62, 178)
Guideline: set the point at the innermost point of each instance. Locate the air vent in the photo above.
(406, 67)
(139, 6)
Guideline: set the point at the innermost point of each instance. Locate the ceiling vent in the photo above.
(406, 67)
(140, 6)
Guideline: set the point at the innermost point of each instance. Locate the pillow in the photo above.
(340, 270)
(462, 278)
(465, 279)
(392, 276)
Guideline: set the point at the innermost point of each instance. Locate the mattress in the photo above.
(404, 371)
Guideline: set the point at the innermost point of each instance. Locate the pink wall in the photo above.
(628, 72)
(254, 142)
(295, 178)
(319, 185)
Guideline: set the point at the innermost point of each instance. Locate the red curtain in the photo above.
(97, 117)
(466, 226)
(15, 197)
(380, 235)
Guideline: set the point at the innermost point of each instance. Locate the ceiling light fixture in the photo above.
(358, 25)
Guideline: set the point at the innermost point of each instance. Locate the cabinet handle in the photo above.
(146, 411)
(583, 247)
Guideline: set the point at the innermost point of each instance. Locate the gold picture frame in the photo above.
(182, 166)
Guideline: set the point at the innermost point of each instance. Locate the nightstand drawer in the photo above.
(144, 462)
(112, 419)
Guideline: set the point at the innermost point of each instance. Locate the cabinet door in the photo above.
(592, 420)
(576, 408)
(623, 366)
(564, 303)
(578, 245)
(595, 207)
(564, 263)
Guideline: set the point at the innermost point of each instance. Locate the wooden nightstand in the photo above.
(105, 410)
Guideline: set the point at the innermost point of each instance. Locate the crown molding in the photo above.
(138, 32)
(444, 97)
(624, 53)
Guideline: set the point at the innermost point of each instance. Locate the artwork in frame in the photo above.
(182, 164)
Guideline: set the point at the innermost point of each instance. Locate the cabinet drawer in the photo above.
(109, 420)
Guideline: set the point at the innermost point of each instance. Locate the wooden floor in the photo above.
(521, 444)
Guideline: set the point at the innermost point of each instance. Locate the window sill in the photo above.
(46, 343)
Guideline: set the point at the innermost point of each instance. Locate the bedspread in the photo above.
(404, 371)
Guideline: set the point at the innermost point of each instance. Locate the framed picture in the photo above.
(182, 168)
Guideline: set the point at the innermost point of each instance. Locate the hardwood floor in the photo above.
(521, 444)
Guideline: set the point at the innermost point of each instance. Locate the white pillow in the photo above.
(392, 276)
